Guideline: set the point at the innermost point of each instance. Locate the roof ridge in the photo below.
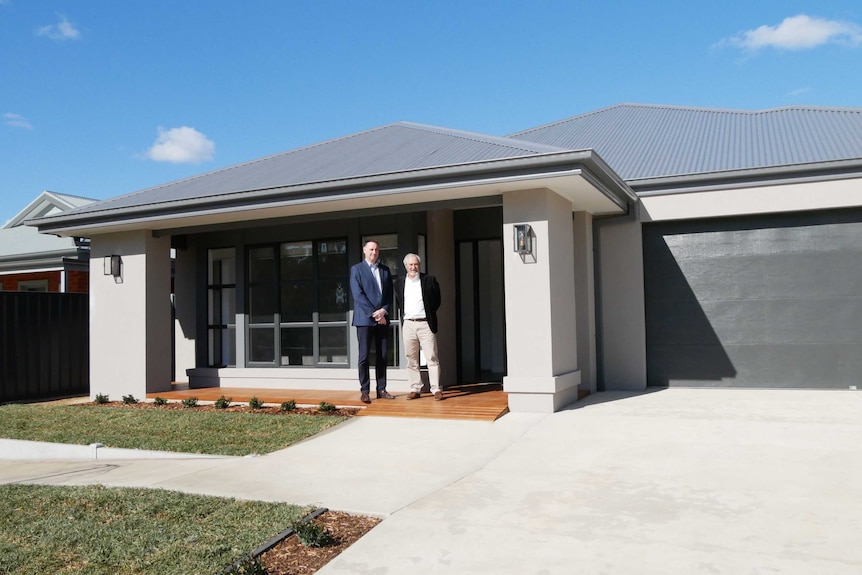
(705, 109)
(503, 141)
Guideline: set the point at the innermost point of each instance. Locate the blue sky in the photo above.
(100, 97)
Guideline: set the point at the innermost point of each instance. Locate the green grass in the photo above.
(184, 430)
(95, 530)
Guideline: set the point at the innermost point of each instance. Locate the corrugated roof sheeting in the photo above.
(647, 141)
(390, 149)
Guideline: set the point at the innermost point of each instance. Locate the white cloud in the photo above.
(17, 121)
(63, 30)
(798, 33)
(181, 146)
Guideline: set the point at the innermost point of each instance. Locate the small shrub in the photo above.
(223, 402)
(288, 405)
(325, 407)
(311, 534)
(160, 400)
(190, 402)
(255, 403)
(129, 399)
(248, 565)
(102, 398)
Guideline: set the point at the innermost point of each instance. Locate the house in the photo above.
(30, 261)
(634, 246)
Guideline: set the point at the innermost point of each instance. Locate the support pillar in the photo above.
(541, 322)
(130, 316)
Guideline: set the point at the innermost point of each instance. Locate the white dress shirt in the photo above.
(414, 306)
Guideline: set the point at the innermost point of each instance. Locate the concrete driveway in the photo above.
(672, 481)
(675, 481)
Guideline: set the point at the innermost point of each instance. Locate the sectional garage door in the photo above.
(763, 302)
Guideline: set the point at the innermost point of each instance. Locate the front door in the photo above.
(481, 313)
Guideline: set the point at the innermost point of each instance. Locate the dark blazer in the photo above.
(430, 297)
(367, 297)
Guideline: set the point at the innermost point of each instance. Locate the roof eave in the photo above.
(815, 171)
(585, 163)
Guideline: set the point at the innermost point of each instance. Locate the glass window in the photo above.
(261, 344)
(260, 265)
(221, 307)
(332, 259)
(333, 345)
(297, 346)
(296, 261)
(300, 299)
(33, 285)
(297, 301)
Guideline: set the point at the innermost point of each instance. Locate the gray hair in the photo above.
(409, 256)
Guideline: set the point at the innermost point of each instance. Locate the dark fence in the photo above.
(44, 345)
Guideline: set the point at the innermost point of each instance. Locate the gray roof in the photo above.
(46, 204)
(24, 248)
(644, 145)
(396, 148)
(648, 141)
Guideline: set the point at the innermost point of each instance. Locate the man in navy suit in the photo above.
(371, 288)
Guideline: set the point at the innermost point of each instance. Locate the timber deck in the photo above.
(480, 401)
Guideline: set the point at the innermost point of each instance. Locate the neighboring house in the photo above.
(662, 246)
(30, 261)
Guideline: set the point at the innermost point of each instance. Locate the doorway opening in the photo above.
(481, 311)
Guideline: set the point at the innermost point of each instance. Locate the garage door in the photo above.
(762, 302)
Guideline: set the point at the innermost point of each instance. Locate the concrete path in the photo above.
(674, 481)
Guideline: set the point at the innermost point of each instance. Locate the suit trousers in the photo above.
(417, 334)
(365, 334)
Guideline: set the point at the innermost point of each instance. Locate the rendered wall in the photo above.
(541, 324)
(620, 306)
(130, 343)
(441, 264)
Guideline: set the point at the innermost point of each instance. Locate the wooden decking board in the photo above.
(483, 402)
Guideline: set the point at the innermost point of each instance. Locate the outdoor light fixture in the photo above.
(112, 266)
(523, 239)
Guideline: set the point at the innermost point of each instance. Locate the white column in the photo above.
(541, 323)
(441, 264)
(130, 316)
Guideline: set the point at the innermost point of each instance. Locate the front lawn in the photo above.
(185, 430)
(101, 531)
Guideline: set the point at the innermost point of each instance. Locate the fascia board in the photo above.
(820, 171)
(472, 174)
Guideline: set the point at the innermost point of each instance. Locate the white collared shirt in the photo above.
(376, 273)
(414, 306)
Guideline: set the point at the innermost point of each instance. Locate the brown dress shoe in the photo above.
(364, 398)
(438, 396)
(414, 395)
(384, 395)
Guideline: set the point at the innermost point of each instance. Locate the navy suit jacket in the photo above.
(367, 297)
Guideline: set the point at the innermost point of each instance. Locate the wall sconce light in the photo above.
(523, 239)
(112, 266)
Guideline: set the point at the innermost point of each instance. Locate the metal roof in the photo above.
(47, 203)
(642, 141)
(396, 148)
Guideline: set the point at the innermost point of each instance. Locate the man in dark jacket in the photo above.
(418, 299)
(371, 288)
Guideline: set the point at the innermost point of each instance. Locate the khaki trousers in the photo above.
(417, 334)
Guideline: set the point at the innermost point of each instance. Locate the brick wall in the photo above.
(77, 281)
